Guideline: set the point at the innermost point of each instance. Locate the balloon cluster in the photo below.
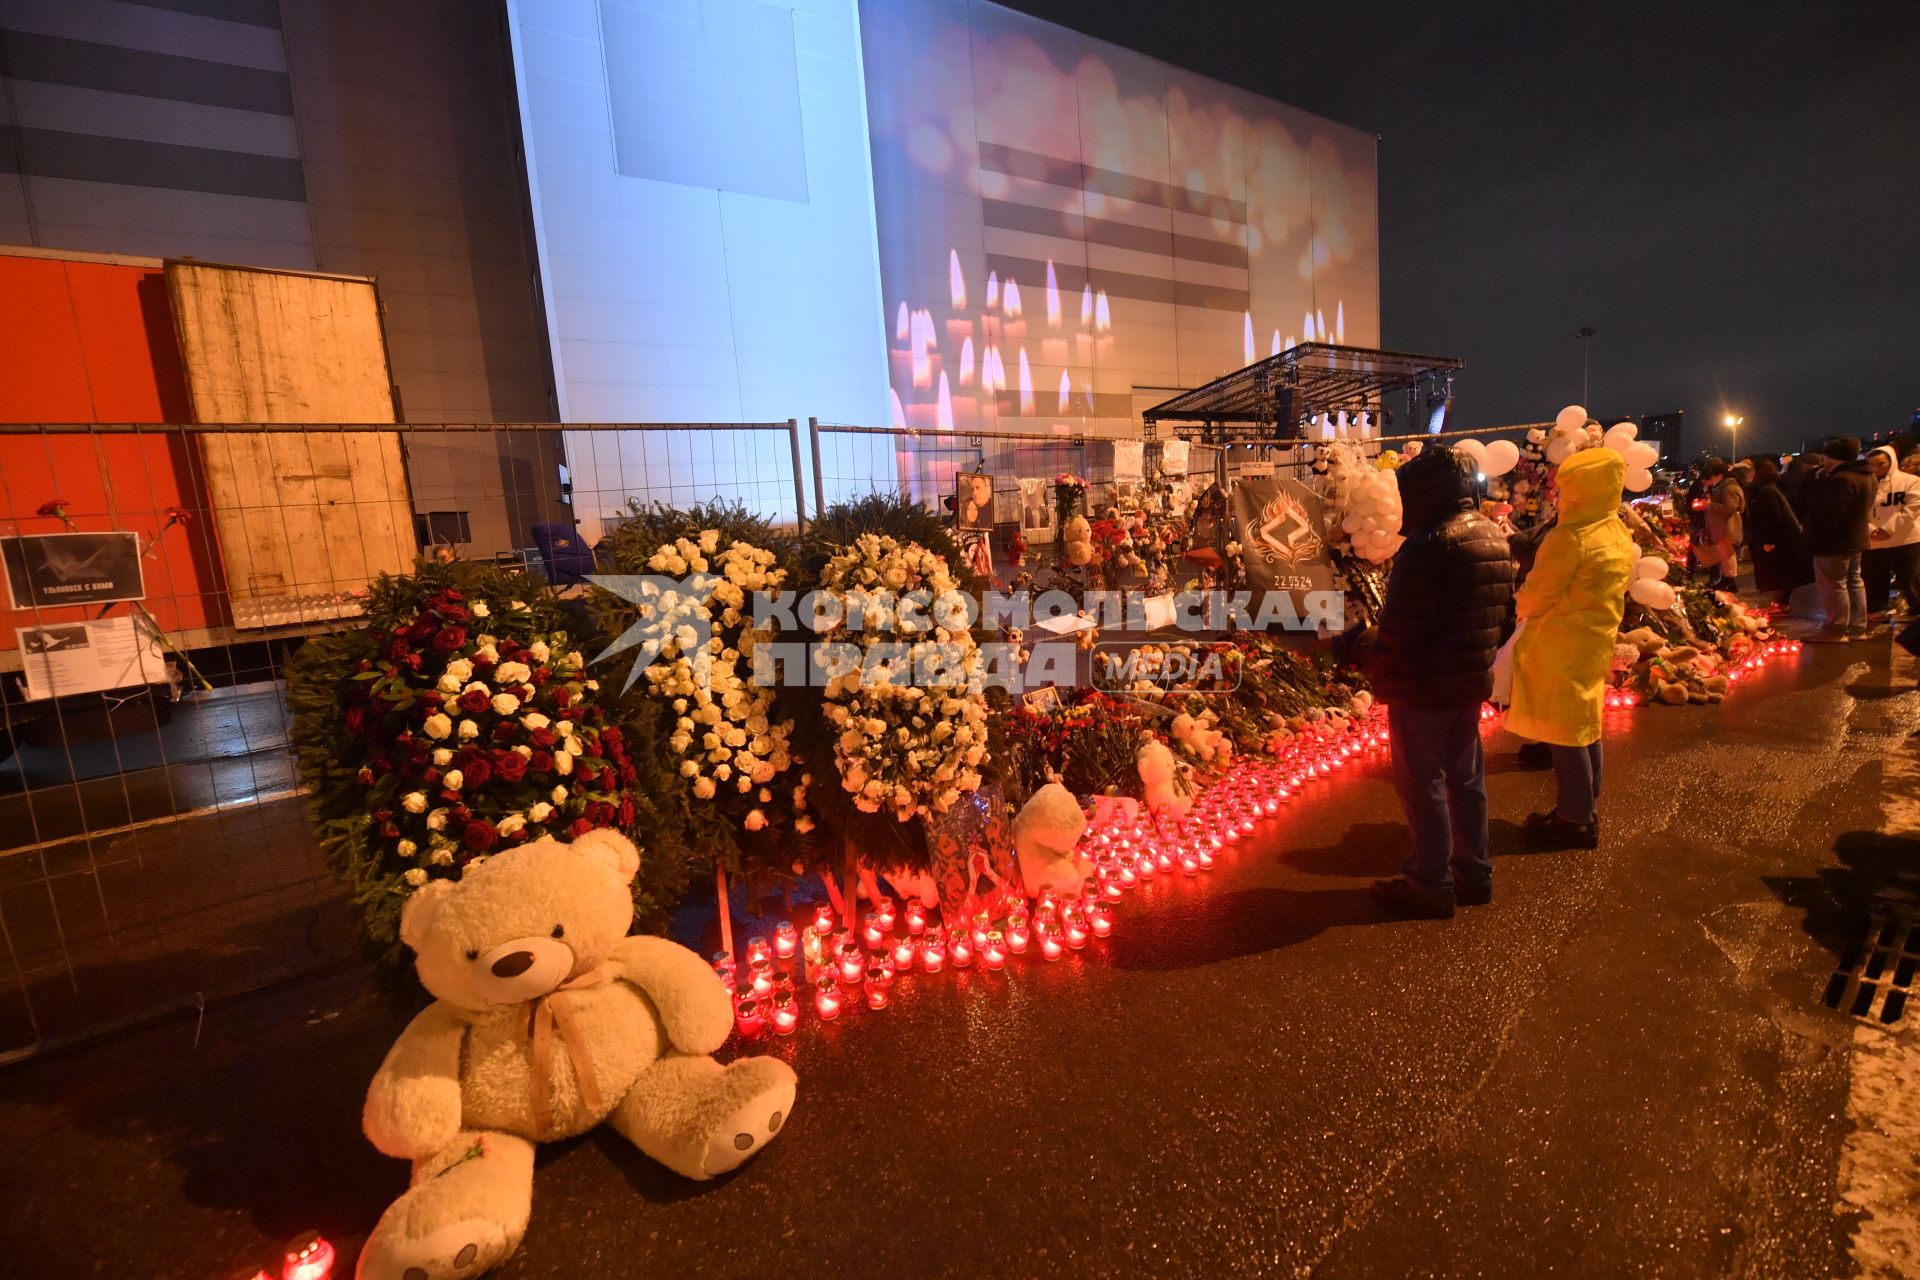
(1574, 431)
(1373, 515)
(1649, 585)
(1494, 460)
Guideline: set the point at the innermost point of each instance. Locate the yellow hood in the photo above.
(1591, 482)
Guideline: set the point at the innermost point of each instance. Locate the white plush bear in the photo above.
(1160, 780)
(549, 1020)
(1045, 833)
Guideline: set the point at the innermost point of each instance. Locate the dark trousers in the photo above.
(1891, 570)
(1577, 770)
(1440, 772)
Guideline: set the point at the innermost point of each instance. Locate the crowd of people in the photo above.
(1846, 522)
(1463, 590)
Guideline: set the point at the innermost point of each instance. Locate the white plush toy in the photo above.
(1199, 739)
(549, 1020)
(1160, 779)
(1046, 832)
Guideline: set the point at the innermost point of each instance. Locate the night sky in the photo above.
(1728, 192)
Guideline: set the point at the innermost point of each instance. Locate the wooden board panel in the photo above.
(305, 517)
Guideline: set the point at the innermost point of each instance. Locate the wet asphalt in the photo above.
(1621, 1067)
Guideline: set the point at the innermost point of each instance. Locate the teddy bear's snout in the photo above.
(520, 969)
(513, 964)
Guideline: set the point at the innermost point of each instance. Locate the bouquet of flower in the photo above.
(460, 721)
(906, 698)
(1068, 490)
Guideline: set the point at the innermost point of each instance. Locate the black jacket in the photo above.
(1450, 596)
(1837, 502)
(1774, 537)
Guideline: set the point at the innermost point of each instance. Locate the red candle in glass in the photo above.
(994, 953)
(1051, 947)
(786, 1015)
(746, 1014)
(884, 909)
(872, 931)
(826, 998)
(903, 953)
(878, 982)
(1100, 919)
(960, 950)
(916, 919)
(785, 940)
(933, 954)
(1017, 937)
(308, 1257)
(823, 919)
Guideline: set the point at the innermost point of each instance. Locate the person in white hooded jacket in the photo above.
(1892, 562)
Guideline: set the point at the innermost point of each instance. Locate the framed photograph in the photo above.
(973, 500)
(49, 569)
(1036, 510)
(1042, 700)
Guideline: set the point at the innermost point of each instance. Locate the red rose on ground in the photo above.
(450, 638)
(510, 766)
(431, 776)
(626, 813)
(541, 762)
(475, 700)
(479, 836)
(476, 774)
(504, 731)
(355, 719)
(562, 697)
(398, 650)
(579, 828)
(541, 677)
(541, 737)
(366, 776)
(431, 700)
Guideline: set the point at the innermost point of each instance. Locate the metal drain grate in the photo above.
(1875, 977)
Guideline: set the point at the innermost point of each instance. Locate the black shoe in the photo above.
(1535, 755)
(1551, 831)
(1472, 895)
(1405, 898)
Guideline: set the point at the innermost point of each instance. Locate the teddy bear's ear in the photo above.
(612, 850)
(416, 918)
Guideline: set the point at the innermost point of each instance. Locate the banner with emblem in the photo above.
(1281, 526)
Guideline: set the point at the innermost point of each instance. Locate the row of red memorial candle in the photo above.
(845, 964)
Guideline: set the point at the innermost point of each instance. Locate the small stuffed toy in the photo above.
(1045, 833)
(549, 1020)
(1160, 780)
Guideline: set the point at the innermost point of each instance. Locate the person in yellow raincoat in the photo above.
(1570, 608)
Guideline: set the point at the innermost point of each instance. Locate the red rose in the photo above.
(454, 593)
(541, 676)
(479, 836)
(562, 697)
(476, 774)
(398, 650)
(366, 776)
(510, 766)
(431, 700)
(431, 776)
(579, 828)
(626, 813)
(541, 762)
(355, 719)
(450, 638)
(504, 731)
(475, 700)
(542, 737)
(584, 775)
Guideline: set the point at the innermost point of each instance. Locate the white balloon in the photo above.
(1562, 448)
(1642, 453)
(1473, 449)
(1652, 593)
(1638, 480)
(1571, 418)
(1649, 567)
(1624, 431)
(1501, 457)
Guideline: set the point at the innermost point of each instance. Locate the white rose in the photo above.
(562, 762)
(505, 703)
(441, 857)
(442, 756)
(539, 651)
(480, 609)
(704, 788)
(564, 728)
(461, 670)
(438, 725)
(540, 811)
(709, 540)
(468, 729)
(511, 823)
(406, 848)
(416, 876)
(450, 683)
(558, 795)
(452, 779)
(689, 768)
(414, 802)
(535, 720)
(511, 673)
(437, 820)
(756, 820)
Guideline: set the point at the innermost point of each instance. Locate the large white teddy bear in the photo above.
(1046, 836)
(549, 1020)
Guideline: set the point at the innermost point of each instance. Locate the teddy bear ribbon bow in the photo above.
(554, 1012)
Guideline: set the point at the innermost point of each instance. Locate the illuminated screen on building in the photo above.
(1068, 229)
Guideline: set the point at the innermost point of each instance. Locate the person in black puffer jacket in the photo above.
(1449, 605)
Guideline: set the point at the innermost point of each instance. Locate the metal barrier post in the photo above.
(819, 486)
(799, 484)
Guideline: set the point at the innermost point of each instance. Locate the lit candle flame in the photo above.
(966, 362)
(1246, 339)
(1010, 298)
(1026, 378)
(956, 283)
(1339, 322)
(919, 340)
(1053, 297)
(993, 289)
(1086, 306)
(1066, 390)
(900, 323)
(943, 414)
(1102, 313)
(899, 411)
(1277, 348)
(1320, 325)
(1306, 328)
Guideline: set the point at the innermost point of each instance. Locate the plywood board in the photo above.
(305, 517)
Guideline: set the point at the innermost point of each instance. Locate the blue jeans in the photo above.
(1441, 775)
(1843, 591)
(1577, 770)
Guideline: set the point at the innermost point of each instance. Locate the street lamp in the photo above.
(1732, 422)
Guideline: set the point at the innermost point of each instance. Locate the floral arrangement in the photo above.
(1068, 491)
(910, 748)
(460, 721)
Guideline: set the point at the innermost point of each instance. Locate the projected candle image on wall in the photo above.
(1091, 221)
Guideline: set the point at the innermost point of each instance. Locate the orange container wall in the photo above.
(93, 342)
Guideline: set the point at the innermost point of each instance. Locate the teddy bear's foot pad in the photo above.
(454, 1252)
(767, 1086)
